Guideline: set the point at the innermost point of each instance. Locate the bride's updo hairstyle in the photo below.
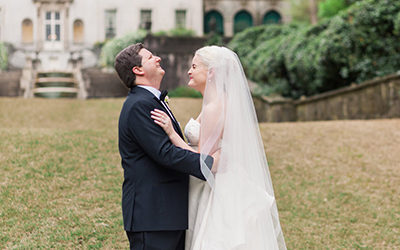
(215, 56)
(207, 55)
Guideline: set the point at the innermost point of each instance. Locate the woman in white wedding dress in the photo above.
(236, 208)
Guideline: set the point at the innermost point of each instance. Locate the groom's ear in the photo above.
(137, 71)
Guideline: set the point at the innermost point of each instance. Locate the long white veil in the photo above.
(241, 213)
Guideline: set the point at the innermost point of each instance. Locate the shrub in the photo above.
(183, 91)
(176, 32)
(181, 32)
(3, 56)
(214, 39)
(358, 44)
(330, 8)
(112, 47)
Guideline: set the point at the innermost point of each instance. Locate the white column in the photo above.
(39, 23)
(66, 26)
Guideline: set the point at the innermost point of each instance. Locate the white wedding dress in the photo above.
(199, 191)
(200, 199)
(235, 209)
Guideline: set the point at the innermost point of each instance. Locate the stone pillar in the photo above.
(39, 23)
(228, 24)
(66, 26)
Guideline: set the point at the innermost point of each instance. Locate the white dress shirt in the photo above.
(157, 94)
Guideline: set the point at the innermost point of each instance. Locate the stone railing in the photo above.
(377, 98)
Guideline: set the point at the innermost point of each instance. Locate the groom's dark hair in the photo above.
(125, 61)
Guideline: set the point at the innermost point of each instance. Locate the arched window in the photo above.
(78, 31)
(242, 20)
(27, 31)
(213, 21)
(272, 17)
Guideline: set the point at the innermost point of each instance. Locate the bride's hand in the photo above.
(216, 156)
(163, 120)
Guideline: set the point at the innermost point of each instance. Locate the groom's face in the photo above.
(151, 65)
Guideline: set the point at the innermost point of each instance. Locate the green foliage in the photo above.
(184, 91)
(330, 8)
(3, 56)
(181, 32)
(112, 47)
(215, 39)
(358, 44)
(176, 32)
(397, 24)
(160, 33)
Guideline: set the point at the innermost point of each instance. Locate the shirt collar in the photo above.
(154, 91)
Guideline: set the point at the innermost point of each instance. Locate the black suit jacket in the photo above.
(156, 173)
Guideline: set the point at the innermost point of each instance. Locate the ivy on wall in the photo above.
(3, 56)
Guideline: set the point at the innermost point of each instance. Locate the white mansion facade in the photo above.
(59, 35)
(74, 25)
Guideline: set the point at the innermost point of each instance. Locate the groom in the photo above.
(156, 173)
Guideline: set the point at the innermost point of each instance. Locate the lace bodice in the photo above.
(192, 132)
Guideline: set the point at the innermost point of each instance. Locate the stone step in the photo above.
(55, 85)
(43, 74)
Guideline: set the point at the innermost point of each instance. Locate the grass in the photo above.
(336, 182)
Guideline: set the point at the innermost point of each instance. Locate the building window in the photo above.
(110, 25)
(272, 17)
(145, 19)
(213, 22)
(27, 31)
(53, 26)
(78, 31)
(180, 19)
(242, 20)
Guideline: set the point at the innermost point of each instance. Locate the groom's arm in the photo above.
(156, 144)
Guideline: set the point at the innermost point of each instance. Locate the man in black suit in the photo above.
(156, 173)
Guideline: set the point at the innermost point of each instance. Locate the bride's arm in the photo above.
(163, 120)
(212, 127)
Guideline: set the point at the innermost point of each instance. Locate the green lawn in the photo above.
(336, 183)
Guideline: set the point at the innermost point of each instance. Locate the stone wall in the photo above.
(378, 98)
(9, 83)
(176, 54)
(101, 84)
(176, 57)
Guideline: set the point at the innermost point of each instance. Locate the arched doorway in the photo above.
(78, 31)
(272, 17)
(27, 31)
(242, 20)
(213, 21)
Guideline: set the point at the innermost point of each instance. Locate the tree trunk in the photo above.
(313, 11)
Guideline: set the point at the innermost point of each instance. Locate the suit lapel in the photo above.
(143, 91)
(174, 121)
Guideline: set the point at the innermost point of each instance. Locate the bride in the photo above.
(236, 208)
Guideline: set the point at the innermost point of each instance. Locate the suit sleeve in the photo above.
(156, 144)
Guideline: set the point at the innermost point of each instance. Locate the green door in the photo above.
(272, 17)
(242, 21)
(213, 21)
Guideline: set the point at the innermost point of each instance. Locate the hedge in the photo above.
(3, 56)
(112, 47)
(358, 44)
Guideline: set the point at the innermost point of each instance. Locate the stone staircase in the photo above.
(54, 84)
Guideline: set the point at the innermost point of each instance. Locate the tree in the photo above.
(313, 11)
